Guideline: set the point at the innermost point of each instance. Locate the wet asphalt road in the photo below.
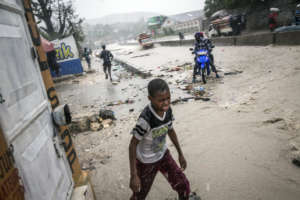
(90, 92)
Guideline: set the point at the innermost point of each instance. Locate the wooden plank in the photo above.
(10, 187)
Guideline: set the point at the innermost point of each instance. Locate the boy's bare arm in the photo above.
(132, 155)
(134, 179)
(173, 137)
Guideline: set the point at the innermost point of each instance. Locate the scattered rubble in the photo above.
(233, 72)
(143, 55)
(88, 165)
(116, 103)
(90, 71)
(295, 151)
(273, 121)
(107, 114)
(175, 69)
(93, 122)
(107, 123)
(105, 160)
(179, 100)
(199, 91)
(79, 125)
(95, 126)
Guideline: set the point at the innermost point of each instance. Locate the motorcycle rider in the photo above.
(203, 43)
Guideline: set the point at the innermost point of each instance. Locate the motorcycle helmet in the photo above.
(199, 35)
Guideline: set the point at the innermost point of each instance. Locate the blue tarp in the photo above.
(69, 67)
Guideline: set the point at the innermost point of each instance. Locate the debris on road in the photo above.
(95, 126)
(295, 151)
(199, 90)
(143, 55)
(107, 114)
(90, 71)
(297, 161)
(175, 69)
(233, 72)
(88, 165)
(179, 100)
(79, 125)
(273, 121)
(92, 122)
(107, 123)
(116, 103)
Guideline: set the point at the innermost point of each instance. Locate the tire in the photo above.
(203, 75)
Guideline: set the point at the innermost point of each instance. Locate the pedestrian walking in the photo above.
(273, 18)
(181, 37)
(86, 55)
(107, 58)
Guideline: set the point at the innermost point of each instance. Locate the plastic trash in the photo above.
(199, 90)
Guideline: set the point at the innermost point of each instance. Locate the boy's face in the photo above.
(161, 101)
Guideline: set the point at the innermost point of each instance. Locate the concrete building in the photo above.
(188, 22)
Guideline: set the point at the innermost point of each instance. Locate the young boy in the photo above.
(148, 152)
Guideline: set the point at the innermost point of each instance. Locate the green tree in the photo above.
(212, 6)
(57, 19)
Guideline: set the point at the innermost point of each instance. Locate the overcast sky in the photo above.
(90, 9)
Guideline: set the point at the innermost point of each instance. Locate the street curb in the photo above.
(261, 39)
(66, 77)
(132, 68)
(176, 42)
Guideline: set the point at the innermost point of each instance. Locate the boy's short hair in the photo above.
(157, 85)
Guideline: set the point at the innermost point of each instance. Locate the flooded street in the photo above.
(236, 143)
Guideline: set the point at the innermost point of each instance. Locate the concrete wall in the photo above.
(176, 43)
(262, 39)
(288, 38)
(132, 68)
(224, 41)
(255, 40)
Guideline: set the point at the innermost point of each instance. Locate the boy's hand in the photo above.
(182, 162)
(135, 183)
